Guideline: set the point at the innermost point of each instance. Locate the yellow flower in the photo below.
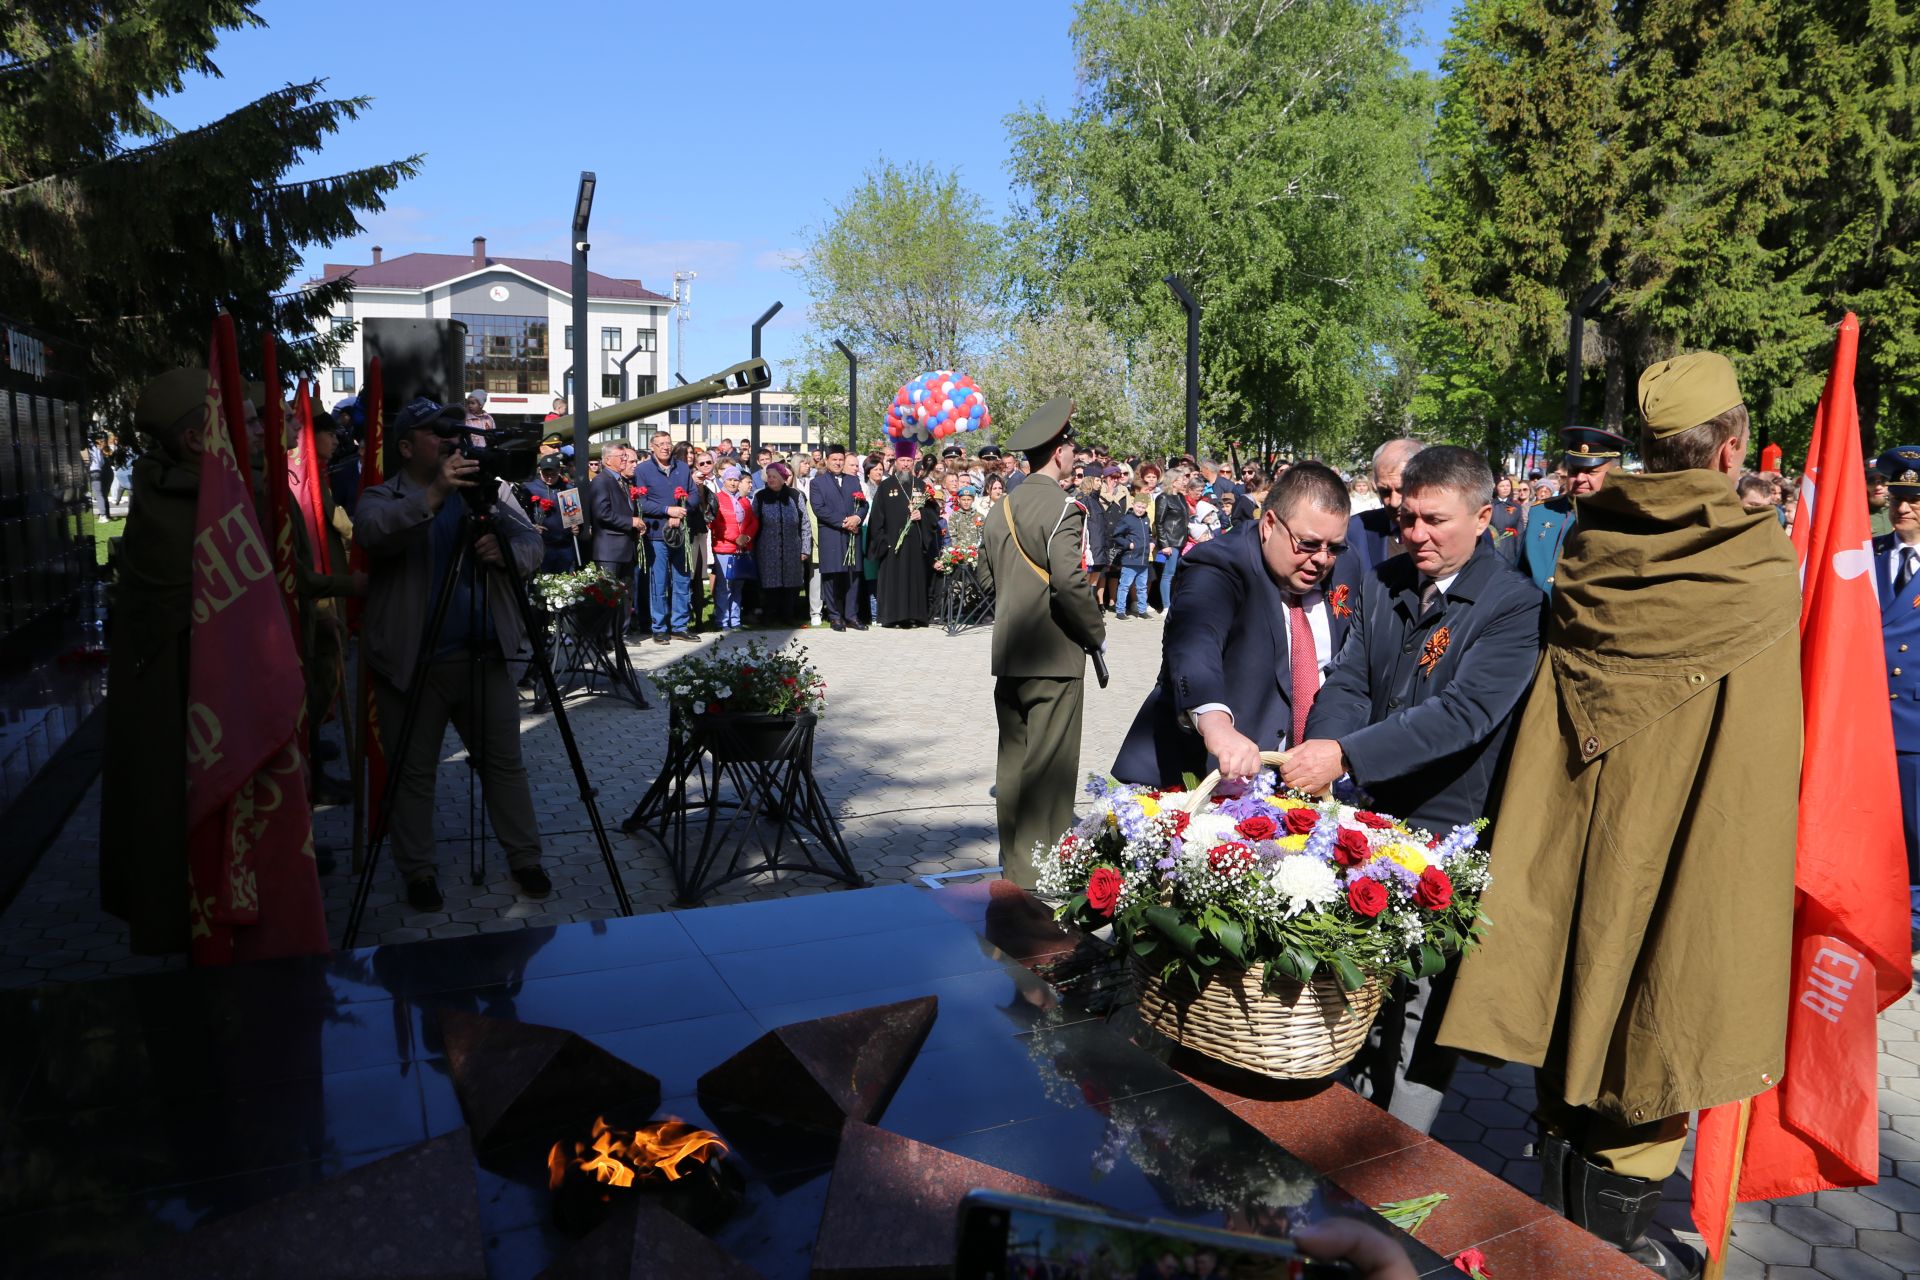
(1291, 844)
(1414, 860)
(1150, 806)
(1283, 803)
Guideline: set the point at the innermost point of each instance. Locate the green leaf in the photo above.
(1351, 979)
(1431, 961)
(1233, 938)
(1167, 922)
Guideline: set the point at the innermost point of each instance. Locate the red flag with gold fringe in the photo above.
(1819, 1128)
(279, 512)
(253, 889)
(372, 472)
(306, 477)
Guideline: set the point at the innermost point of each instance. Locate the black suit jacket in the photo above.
(1427, 743)
(1371, 534)
(610, 507)
(1226, 641)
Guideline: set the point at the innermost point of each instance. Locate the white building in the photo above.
(512, 307)
(783, 425)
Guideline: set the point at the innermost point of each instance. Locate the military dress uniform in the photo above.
(1045, 622)
(1549, 523)
(1896, 571)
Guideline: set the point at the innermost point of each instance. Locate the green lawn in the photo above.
(100, 534)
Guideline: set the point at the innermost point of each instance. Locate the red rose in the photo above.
(680, 494)
(1103, 890)
(1435, 890)
(1180, 820)
(1229, 858)
(860, 497)
(1351, 848)
(1301, 821)
(1367, 897)
(1471, 1261)
(1374, 820)
(1258, 827)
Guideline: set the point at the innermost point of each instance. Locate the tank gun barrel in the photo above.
(748, 375)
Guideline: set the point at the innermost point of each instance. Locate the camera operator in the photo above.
(411, 526)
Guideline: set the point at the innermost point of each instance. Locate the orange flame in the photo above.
(618, 1158)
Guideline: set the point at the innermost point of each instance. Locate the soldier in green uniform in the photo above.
(1045, 622)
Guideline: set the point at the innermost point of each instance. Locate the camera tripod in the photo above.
(475, 522)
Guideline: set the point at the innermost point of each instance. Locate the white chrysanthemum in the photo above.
(1304, 883)
(1207, 830)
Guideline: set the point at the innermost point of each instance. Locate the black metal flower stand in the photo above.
(747, 780)
(586, 652)
(964, 602)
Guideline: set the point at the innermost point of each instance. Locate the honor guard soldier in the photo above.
(1896, 563)
(1045, 622)
(1590, 456)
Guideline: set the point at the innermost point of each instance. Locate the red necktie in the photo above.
(1306, 667)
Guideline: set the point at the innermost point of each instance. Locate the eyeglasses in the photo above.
(1312, 546)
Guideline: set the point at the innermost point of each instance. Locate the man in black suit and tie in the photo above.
(1257, 616)
(1418, 710)
(839, 518)
(616, 524)
(1375, 535)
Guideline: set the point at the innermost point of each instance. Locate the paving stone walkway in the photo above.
(905, 756)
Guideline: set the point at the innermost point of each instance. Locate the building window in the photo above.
(569, 338)
(506, 354)
(341, 322)
(610, 386)
(609, 339)
(343, 380)
(645, 384)
(644, 339)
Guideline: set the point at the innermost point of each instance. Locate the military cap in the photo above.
(1679, 394)
(988, 451)
(1049, 424)
(953, 451)
(1584, 448)
(167, 403)
(1901, 466)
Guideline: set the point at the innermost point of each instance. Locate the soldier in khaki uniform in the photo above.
(1046, 620)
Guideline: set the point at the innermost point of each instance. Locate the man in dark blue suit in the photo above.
(1418, 710)
(615, 524)
(839, 517)
(1375, 535)
(666, 488)
(1896, 569)
(1245, 606)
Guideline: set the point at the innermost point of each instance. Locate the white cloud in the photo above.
(780, 259)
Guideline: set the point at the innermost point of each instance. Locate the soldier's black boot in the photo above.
(1619, 1209)
(1556, 1153)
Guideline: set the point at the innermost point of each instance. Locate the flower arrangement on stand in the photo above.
(590, 585)
(950, 557)
(752, 680)
(1218, 900)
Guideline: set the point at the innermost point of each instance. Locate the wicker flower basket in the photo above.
(1296, 1032)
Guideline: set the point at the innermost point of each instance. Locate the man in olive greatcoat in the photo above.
(1638, 930)
(1045, 622)
(143, 823)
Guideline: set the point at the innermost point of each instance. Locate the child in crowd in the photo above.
(1135, 544)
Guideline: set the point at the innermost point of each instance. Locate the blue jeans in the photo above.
(1133, 581)
(726, 593)
(669, 565)
(1171, 559)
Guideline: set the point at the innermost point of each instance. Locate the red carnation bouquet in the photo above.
(1306, 887)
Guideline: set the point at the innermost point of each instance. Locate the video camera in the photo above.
(504, 453)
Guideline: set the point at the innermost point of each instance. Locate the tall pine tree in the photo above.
(126, 234)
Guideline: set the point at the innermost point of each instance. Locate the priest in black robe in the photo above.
(901, 534)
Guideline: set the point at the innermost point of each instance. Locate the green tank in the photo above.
(748, 375)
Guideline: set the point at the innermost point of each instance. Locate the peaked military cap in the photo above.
(1049, 423)
(1584, 448)
(989, 451)
(1901, 466)
(953, 451)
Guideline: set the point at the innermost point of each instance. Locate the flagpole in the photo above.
(1716, 1268)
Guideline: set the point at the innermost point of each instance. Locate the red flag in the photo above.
(252, 886)
(1819, 1128)
(371, 473)
(306, 478)
(279, 513)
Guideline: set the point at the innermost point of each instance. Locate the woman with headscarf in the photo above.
(735, 525)
(785, 541)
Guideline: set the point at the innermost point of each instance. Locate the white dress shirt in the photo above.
(1318, 621)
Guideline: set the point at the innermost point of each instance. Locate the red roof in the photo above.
(424, 270)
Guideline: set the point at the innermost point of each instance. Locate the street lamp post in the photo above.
(582, 212)
(1577, 340)
(853, 394)
(1192, 307)
(755, 411)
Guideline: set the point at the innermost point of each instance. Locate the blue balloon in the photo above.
(976, 409)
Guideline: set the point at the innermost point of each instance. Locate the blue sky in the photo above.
(719, 130)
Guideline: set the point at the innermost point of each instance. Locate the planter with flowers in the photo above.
(750, 703)
(1263, 928)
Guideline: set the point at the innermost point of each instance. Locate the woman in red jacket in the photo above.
(733, 534)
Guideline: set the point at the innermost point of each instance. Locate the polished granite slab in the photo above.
(132, 1110)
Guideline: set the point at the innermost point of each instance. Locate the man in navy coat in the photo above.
(838, 551)
(1229, 684)
(666, 488)
(1418, 710)
(616, 526)
(1375, 535)
(1896, 569)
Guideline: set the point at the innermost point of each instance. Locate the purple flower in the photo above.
(1320, 839)
(1457, 842)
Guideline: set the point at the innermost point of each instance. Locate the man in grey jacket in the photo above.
(412, 527)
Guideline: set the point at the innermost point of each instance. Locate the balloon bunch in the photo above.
(937, 405)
